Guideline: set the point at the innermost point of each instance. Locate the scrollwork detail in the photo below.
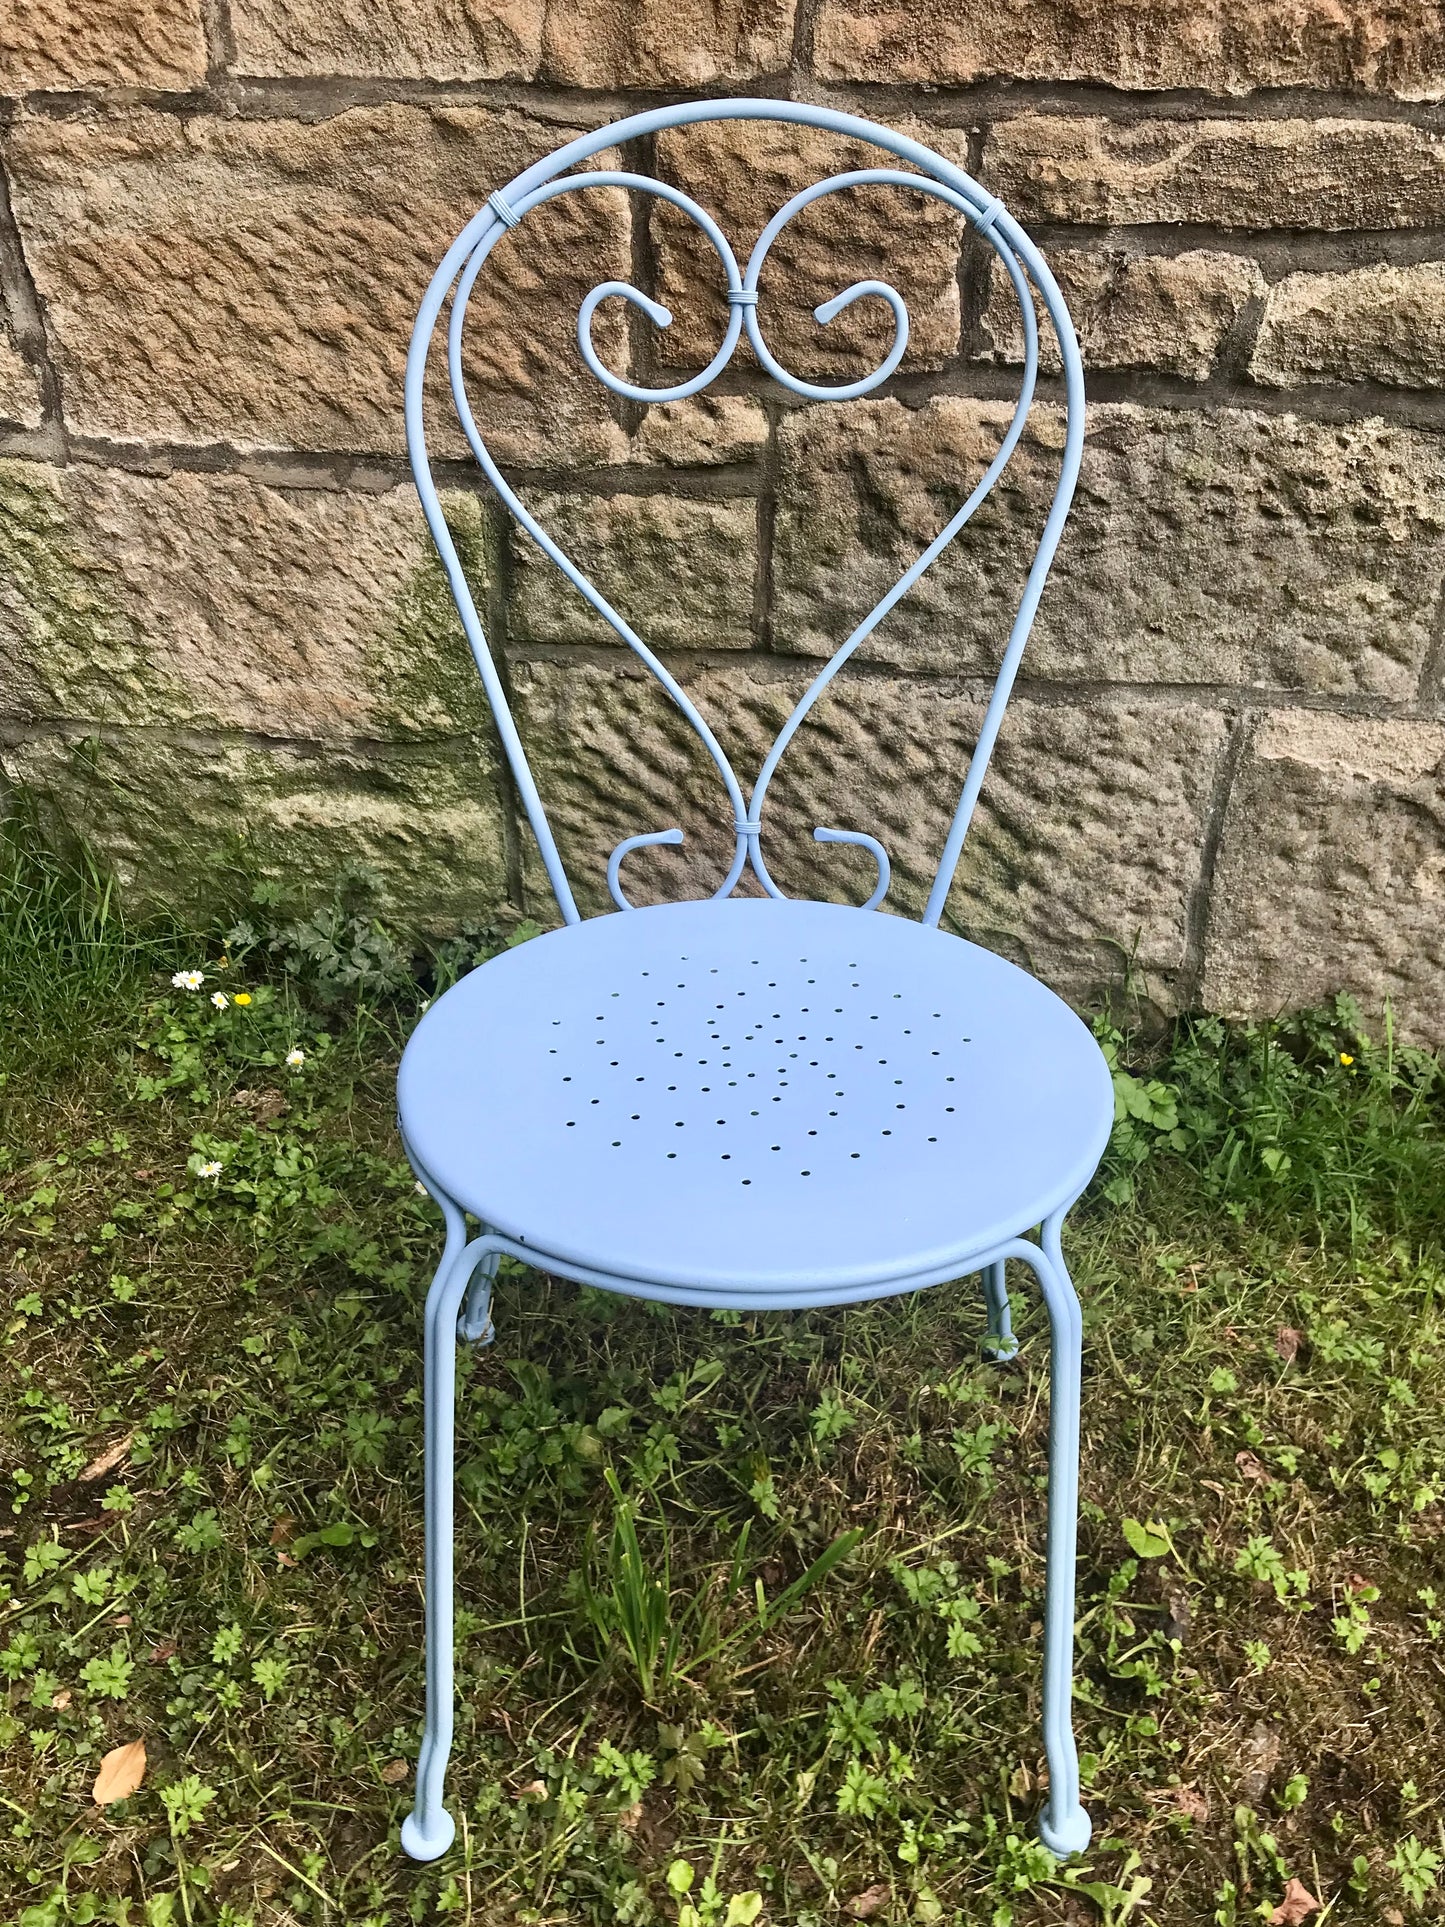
(742, 290)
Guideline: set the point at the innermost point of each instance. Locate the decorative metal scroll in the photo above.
(937, 178)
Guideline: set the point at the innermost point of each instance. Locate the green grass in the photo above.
(749, 1607)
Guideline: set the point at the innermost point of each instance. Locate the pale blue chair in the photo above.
(757, 1102)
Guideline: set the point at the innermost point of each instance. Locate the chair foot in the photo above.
(427, 1837)
(1068, 1834)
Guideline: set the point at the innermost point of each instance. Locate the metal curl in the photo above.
(625, 848)
(874, 848)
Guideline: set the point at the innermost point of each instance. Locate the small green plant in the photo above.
(1416, 1867)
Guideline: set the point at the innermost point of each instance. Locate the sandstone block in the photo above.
(1331, 874)
(742, 173)
(681, 571)
(1221, 47)
(1334, 174)
(1166, 312)
(1085, 849)
(1232, 548)
(20, 401)
(255, 281)
(567, 43)
(219, 603)
(48, 46)
(425, 819)
(1379, 323)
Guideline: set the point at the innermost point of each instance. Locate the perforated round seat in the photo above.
(755, 1096)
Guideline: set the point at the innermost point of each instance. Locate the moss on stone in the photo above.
(423, 675)
(70, 649)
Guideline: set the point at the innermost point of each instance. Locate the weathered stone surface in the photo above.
(1331, 875)
(20, 400)
(1229, 173)
(1221, 46)
(1166, 312)
(1232, 548)
(700, 432)
(569, 43)
(424, 818)
(255, 281)
(47, 45)
(440, 40)
(1085, 849)
(681, 571)
(665, 43)
(742, 173)
(217, 602)
(1379, 323)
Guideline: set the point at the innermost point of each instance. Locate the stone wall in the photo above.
(222, 633)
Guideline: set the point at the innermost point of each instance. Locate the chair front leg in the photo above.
(1064, 1826)
(429, 1829)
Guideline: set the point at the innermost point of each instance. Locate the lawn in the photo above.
(210, 1444)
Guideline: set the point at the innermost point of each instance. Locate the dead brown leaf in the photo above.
(394, 1771)
(283, 1530)
(61, 1699)
(1250, 1467)
(863, 1906)
(121, 1772)
(158, 1655)
(630, 1818)
(108, 1460)
(263, 1105)
(1298, 1904)
(1188, 1800)
(533, 1790)
(1287, 1342)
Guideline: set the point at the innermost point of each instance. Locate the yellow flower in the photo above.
(243, 996)
(1345, 1057)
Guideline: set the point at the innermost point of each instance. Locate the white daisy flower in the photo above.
(295, 1058)
(210, 1170)
(420, 1187)
(188, 980)
(220, 999)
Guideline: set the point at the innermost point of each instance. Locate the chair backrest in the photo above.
(934, 176)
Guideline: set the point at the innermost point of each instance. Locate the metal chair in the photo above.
(753, 1102)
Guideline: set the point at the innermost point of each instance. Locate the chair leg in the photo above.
(1064, 1827)
(429, 1829)
(999, 1338)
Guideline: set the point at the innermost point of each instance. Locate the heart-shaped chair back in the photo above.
(929, 174)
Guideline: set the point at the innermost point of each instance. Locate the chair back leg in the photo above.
(999, 1338)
